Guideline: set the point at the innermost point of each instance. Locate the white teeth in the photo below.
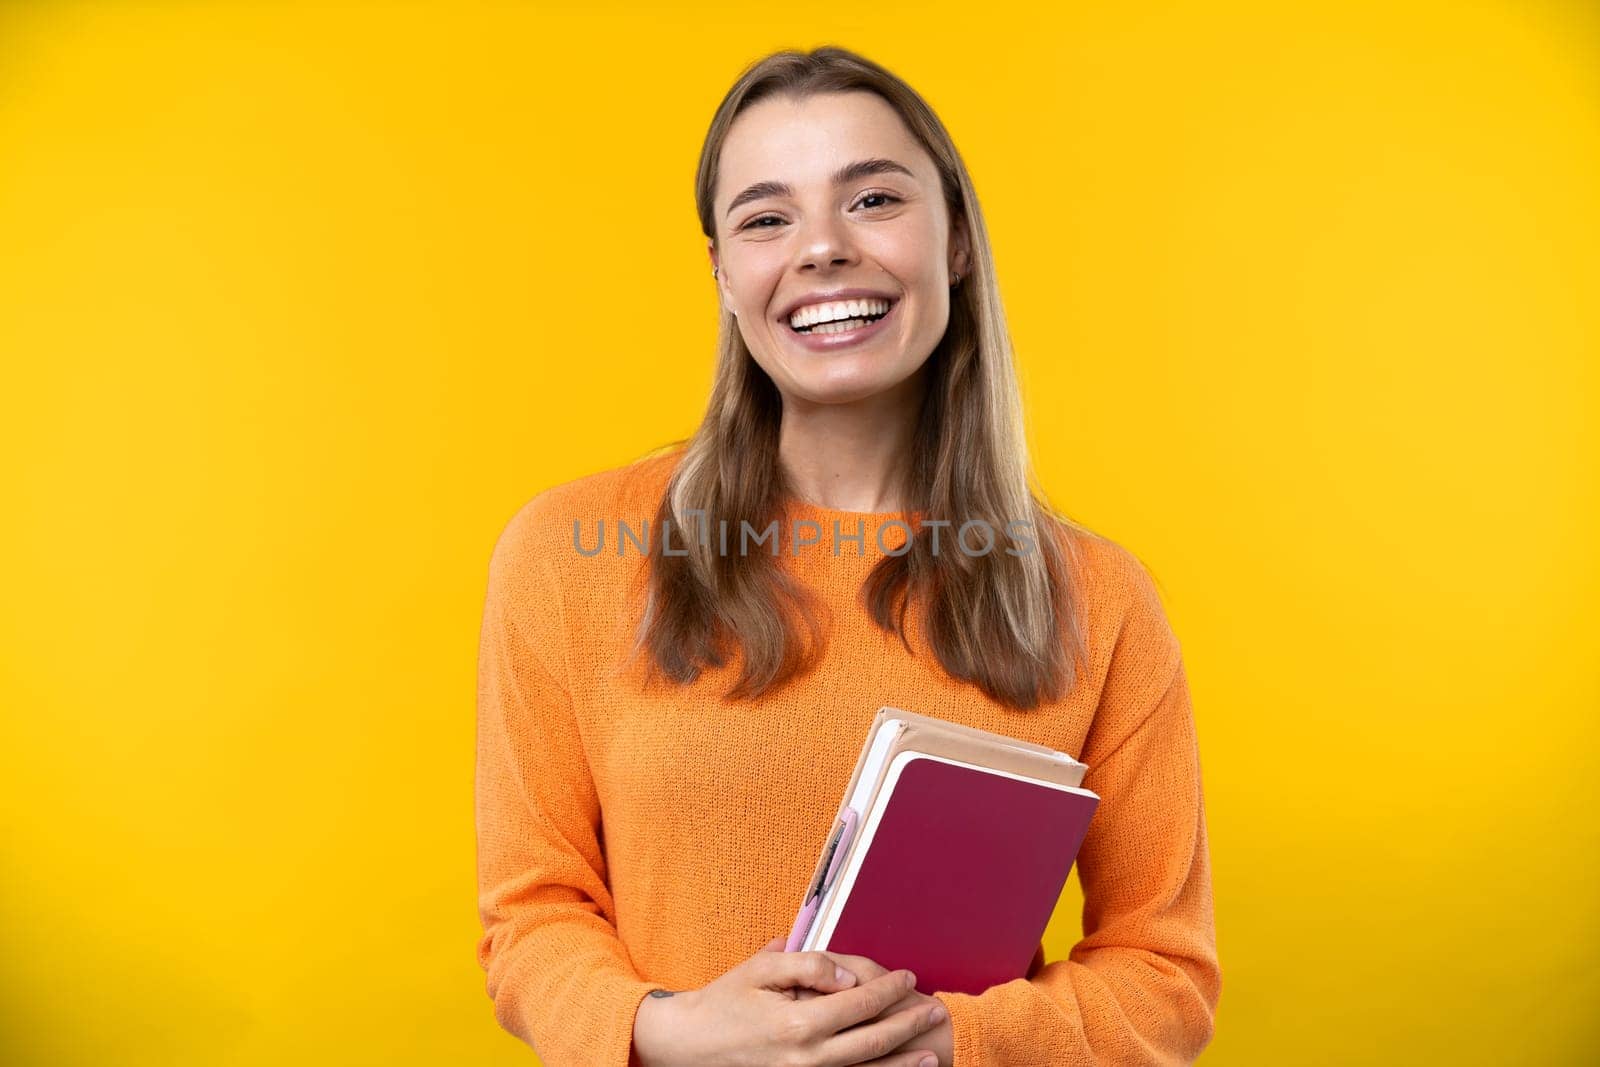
(837, 310)
(839, 327)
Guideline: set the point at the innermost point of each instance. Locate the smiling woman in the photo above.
(662, 737)
(856, 370)
(868, 199)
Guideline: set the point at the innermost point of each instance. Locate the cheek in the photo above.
(753, 274)
(912, 253)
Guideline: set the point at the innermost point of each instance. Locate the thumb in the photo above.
(775, 945)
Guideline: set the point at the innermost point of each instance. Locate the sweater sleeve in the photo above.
(557, 972)
(1142, 986)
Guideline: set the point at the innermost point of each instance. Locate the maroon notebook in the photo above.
(961, 875)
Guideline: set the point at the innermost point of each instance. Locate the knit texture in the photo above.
(635, 837)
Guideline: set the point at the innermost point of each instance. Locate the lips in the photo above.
(828, 342)
(809, 330)
(827, 297)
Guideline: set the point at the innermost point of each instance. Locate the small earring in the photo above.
(714, 271)
(957, 281)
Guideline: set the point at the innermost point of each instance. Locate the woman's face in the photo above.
(883, 228)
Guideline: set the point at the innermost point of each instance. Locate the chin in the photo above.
(843, 390)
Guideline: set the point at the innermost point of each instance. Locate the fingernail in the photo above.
(928, 1061)
(911, 980)
(936, 1014)
(843, 976)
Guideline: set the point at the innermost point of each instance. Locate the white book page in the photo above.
(887, 732)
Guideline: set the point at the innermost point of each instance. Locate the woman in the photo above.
(670, 704)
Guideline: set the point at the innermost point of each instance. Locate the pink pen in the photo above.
(844, 832)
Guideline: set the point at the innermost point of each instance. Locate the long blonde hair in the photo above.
(1008, 623)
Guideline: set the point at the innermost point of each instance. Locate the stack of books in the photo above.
(950, 850)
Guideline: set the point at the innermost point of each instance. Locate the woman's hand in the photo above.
(754, 1016)
(939, 1039)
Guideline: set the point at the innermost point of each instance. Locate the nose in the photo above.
(824, 243)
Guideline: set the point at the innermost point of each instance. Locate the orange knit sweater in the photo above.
(633, 839)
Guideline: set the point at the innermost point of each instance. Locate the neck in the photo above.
(854, 456)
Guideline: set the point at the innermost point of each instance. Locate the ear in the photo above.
(960, 247)
(722, 282)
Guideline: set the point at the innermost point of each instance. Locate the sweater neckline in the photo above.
(805, 509)
(881, 531)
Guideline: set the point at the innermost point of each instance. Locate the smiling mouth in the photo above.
(844, 325)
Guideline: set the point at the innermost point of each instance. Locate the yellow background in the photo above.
(298, 304)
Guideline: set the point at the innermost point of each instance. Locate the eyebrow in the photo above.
(850, 172)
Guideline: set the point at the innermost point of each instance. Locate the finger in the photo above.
(880, 1041)
(862, 967)
(904, 1002)
(909, 1000)
(775, 945)
(814, 970)
(852, 1006)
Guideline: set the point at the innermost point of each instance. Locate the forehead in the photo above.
(803, 142)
